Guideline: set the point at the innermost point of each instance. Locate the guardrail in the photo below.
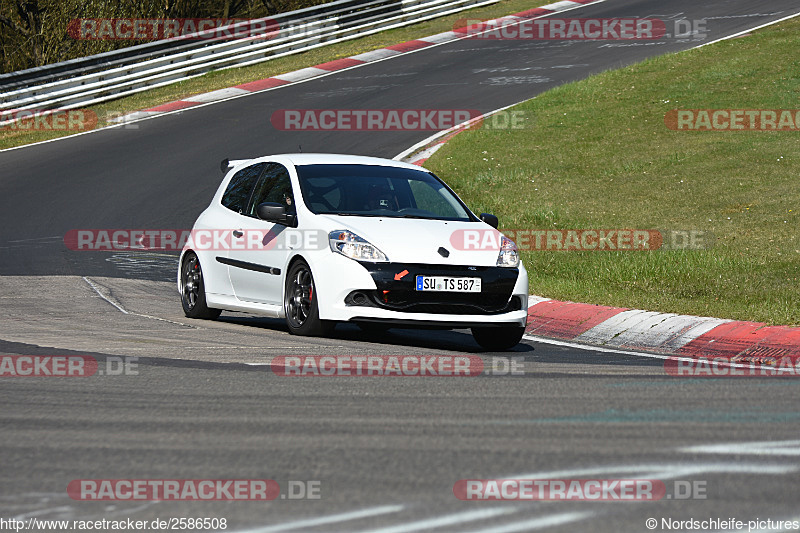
(111, 75)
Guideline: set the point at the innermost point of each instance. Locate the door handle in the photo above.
(237, 233)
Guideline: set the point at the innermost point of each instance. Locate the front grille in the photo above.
(435, 303)
(396, 290)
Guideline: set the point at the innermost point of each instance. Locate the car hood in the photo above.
(408, 240)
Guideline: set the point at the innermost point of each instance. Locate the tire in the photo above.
(300, 303)
(498, 339)
(193, 290)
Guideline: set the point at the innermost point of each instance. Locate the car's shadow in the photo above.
(435, 339)
(460, 341)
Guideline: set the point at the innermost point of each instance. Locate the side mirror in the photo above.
(275, 212)
(225, 165)
(490, 219)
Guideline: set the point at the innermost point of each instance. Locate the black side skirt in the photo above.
(249, 266)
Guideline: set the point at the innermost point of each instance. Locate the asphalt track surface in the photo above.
(203, 404)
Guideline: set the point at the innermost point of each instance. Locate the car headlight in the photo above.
(351, 245)
(509, 257)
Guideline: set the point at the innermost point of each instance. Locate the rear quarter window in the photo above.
(241, 185)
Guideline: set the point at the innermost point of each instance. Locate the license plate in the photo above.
(445, 284)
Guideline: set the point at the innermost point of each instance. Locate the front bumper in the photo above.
(393, 294)
(390, 296)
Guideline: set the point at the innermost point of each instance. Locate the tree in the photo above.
(35, 32)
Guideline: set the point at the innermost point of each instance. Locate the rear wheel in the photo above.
(498, 339)
(193, 290)
(300, 303)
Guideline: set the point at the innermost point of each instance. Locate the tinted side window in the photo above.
(238, 191)
(274, 186)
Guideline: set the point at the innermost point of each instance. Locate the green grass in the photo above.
(600, 156)
(226, 78)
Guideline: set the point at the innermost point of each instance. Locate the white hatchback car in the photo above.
(321, 238)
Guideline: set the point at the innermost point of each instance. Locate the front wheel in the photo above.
(498, 339)
(300, 303)
(193, 290)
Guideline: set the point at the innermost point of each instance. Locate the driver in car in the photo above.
(380, 197)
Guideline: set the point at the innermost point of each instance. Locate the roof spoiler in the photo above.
(227, 164)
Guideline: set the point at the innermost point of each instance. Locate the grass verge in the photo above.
(226, 78)
(601, 156)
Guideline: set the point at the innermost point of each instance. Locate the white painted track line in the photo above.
(536, 523)
(327, 520)
(444, 521)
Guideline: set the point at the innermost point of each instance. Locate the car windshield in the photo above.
(381, 191)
